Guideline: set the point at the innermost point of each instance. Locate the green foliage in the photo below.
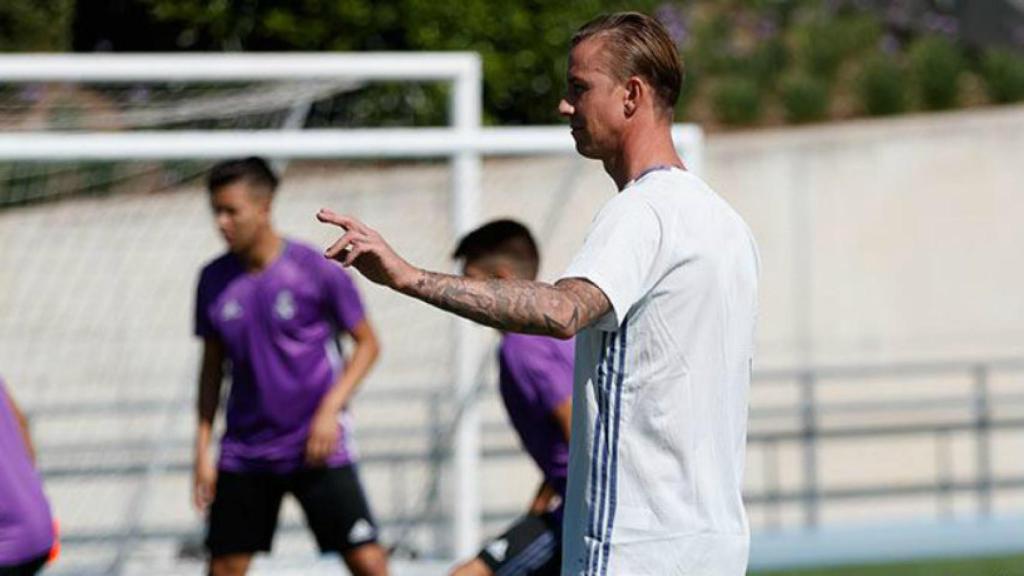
(819, 48)
(881, 86)
(1003, 73)
(766, 62)
(860, 33)
(523, 43)
(709, 47)
(935, 67)
(823, 45)
(35, 25)
(804, 97)
(736, 101)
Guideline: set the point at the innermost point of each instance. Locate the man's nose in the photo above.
(565, 109)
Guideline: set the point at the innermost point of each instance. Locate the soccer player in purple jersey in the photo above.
(26, 525)
(273, 308)
(536, 375)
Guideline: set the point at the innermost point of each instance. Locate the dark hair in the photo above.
(506, 238)
(638, 45)
(253, 170)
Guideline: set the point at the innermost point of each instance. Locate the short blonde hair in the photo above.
(638, 45)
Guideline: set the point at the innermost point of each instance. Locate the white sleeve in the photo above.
(619, 255)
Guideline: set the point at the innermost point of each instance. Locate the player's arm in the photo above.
(560, 310)
(22, 424)
(323, 436)
(211, 376)
(542, 500)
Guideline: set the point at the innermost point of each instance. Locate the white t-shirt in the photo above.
(661, 384)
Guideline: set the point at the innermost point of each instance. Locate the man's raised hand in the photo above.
(363, 248)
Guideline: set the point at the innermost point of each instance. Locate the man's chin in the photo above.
(586, 150)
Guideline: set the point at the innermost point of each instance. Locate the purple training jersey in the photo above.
(279, 327)
(26, 526)
(536, 378)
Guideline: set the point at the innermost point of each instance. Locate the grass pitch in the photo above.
(1002, 566)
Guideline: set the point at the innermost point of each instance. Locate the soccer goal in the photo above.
(104, 224)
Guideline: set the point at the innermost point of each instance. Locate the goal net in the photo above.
(104, 225)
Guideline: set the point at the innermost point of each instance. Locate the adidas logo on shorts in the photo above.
(361, 531)
(497, 549)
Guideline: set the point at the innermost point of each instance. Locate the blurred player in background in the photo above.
(274, 308)
(536, 386)
(26, 525)
(663, 297)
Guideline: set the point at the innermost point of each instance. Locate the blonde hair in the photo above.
(638, 45)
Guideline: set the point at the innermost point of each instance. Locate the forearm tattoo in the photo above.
(559, 310)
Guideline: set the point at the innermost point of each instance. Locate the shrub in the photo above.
(804, 97)
(860, 33)
(936, 66)
(1003, 73)
(766, 62)
(881, 86)
(820, 48)
(736, 100)
(692, 77)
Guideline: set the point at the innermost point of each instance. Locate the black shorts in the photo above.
(29, 568)
(243, 516)
(532, 546)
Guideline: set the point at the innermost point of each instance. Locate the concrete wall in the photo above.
(887, 239)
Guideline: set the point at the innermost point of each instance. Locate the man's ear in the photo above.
(266, 201)
(635, 92)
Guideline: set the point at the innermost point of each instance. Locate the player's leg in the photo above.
(474, 567)
(339, 516)
(367, 560)
(531, 547)
(242, 520)
(230, 564)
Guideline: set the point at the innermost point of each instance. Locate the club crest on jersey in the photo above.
(232, 310)
(284, 305)
(361, 531)
(498, 549)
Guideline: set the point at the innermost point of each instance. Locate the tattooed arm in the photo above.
(559, 310)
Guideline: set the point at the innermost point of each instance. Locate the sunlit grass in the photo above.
(1003, 566)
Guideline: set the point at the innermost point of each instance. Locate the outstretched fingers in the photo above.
(341, 246)
(354, 252)
(328, 216)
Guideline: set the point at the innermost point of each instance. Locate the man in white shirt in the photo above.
(663, 297)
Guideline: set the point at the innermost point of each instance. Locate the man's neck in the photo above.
(640, 151)
(263, 252)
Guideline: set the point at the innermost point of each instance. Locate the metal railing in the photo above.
(973, 415)
(802, 423)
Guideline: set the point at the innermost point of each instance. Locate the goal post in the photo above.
(463, 143)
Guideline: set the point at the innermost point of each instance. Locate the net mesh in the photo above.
(97, 309)
(168, 107)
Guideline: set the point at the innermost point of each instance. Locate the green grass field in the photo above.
(1003, 566)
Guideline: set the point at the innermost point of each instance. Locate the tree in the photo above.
(523, 42)
(35, 25)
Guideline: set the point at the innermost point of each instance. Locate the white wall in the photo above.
(887, 239)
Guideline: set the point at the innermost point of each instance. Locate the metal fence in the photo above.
(962, 405)
(799, 412)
